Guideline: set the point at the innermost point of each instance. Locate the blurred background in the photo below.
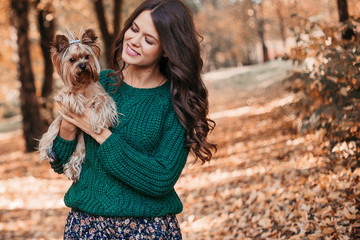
(284, 85)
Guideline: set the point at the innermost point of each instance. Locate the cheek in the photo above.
(153, 51)
(128, 35)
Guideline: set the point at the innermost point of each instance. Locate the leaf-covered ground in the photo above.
(265, 182)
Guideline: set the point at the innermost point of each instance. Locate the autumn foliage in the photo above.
(330, 84)
(287, 165)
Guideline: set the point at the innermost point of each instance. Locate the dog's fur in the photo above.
(78, 66)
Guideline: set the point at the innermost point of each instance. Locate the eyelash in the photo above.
(146, 40)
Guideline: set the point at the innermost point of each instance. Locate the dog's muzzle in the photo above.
(82, 66)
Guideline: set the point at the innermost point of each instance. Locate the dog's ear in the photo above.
(89, 38)
(58, 47)
(60, 43)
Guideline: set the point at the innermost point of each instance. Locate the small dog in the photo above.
(76, 61)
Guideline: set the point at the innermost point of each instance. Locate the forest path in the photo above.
(265, 182)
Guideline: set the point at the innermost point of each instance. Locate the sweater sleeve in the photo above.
(153, 175)
(63, 150)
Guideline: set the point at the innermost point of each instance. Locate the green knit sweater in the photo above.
(132, 173)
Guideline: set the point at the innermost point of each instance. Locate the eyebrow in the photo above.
(147, 33)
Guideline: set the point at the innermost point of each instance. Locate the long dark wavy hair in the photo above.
(182, 66)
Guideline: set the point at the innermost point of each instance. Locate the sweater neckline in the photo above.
(145, 91)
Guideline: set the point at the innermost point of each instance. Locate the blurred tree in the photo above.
(46, 25)
(32, 124)
(261, 32)
(279, 11)
(107, 36)
(260, 24)
(343, 10)
(218, 41)
(342, 6)
(246, 36)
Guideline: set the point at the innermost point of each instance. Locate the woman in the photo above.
(126, 186)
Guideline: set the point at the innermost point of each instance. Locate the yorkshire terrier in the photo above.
(77, 63)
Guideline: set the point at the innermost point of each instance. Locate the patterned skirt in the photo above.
(80, 225)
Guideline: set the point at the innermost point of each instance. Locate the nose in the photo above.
(82, 66)
(135, 40)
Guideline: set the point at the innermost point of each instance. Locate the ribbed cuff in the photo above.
(64, 148)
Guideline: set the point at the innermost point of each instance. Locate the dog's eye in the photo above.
(87, 57)
(72, 60)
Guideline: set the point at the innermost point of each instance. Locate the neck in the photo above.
(143, 78)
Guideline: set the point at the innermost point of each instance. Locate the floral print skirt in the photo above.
(80, 225)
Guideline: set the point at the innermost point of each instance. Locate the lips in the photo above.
(131, 51)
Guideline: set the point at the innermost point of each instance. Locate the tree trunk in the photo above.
(279, 7)
(343, 10)
(106, 35)
(348, 32)
(117, 17)
(260, 22)
(248, 60)
(261, 32)
(32, 124)
(46, 24)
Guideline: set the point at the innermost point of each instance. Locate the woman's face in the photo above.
(141, 46)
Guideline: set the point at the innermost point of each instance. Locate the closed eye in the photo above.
(148, 41)
(133, 29)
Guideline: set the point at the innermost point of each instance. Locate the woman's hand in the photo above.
(83, 122)
(67, 130)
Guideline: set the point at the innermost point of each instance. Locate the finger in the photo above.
(66, 117)
(70, 120)
(69, 114)
(62, 114)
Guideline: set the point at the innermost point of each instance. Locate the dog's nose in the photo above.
(82, 66)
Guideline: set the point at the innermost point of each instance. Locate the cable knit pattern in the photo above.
(133, 173)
